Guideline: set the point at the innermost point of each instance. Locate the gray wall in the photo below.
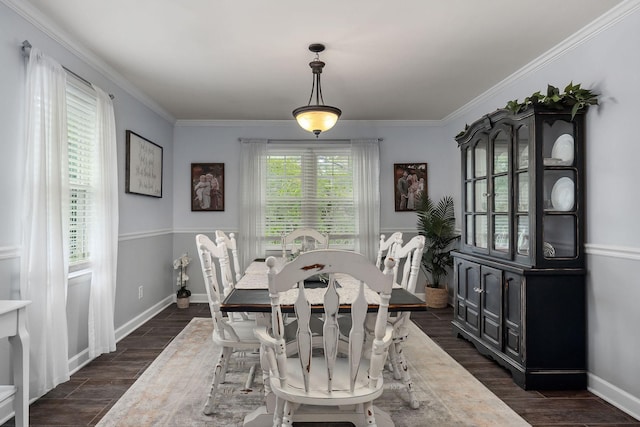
(218, 142)
(153, 231)
(145, 222)
(607, 62)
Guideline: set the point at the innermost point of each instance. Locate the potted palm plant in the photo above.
(436, 222)
(183, 293)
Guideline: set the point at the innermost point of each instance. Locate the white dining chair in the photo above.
(230, 278)
(303, 240)
(321, 378)
(231, 244)
(411, 254)
(386, 247)
(229, 334)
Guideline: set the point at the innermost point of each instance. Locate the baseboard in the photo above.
(614, 395)
(146, 315)
(6, 410)
(199, 298)
(78, 361)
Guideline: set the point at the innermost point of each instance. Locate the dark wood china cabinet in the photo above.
(520, 271)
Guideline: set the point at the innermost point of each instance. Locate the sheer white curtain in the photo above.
(45, 253)
(103, 236)
(252, 186)
(366, 183)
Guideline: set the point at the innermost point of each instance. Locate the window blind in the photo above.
(81, 125)
(310, 187)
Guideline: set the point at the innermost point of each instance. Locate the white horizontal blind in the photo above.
(81, 125)
(310, 187)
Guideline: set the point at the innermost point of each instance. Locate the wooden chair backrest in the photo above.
(412, 254)
(328, 262)
(305, 237)
(387, 247)
(207, 252)
(230, 243)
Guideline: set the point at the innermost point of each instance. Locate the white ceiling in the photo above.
(248, 59)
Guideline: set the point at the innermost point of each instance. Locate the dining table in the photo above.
(251, 295)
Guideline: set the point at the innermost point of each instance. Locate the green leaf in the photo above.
(436, 222)
(574, 110)
(573, 96)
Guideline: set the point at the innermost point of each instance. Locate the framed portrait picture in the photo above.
(409, 183)
(144, 166)
(207, 187)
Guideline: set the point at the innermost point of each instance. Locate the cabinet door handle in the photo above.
(486, 194)
(478, 290)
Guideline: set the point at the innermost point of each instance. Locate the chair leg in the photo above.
(226, 358)
(393, 361)
(406, 378)
(369, 416)
(252, 374)
(265, 372)
(277, 412)
(287, 416)
(218, 374)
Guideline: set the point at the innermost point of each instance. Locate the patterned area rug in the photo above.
(173, 390)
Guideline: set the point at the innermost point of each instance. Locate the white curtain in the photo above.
(366, 181)
(45, 253)
(253, 179)
(103, 236)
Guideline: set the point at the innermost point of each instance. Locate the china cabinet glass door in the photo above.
(522, 188)
(476, 195)
(487, 163)
(560, 204)
(499, 196)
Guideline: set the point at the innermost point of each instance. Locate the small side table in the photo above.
(13, 325)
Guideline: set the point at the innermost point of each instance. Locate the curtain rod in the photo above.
(311, 140)
(26, 49)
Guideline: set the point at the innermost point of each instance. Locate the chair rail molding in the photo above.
(613, 251)
(144, 234)
(9, 252)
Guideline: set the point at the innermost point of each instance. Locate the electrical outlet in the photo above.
(140, 292)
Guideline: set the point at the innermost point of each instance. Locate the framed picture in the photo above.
(144, 166)
(409, 183)
(207, 187)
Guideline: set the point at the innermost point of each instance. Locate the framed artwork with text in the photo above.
(144, 166)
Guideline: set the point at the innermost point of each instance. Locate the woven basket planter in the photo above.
(182, 302)
(437, 297)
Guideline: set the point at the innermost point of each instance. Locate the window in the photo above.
(310, 187)
(81, 135)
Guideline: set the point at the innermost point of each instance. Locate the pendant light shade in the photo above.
(316, 117)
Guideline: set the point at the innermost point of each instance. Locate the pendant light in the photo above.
(316, 117)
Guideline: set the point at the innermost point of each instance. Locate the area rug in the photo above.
(173, 390)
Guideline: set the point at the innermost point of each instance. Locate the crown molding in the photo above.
(49, 28)
(43, 23)
(293, 123)
(591, 30)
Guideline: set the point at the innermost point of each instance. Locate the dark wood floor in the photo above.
(95, 388)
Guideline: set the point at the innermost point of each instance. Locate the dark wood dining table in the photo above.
(258, 301)
(251, 294)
